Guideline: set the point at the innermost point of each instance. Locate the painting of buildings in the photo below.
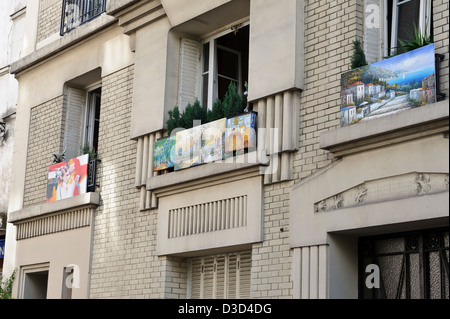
(213, 137)
(188, 148)
(240, 133)
(389, 86)
(67, 179)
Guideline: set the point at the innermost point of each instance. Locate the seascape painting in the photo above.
(389, 86)
(67, 179)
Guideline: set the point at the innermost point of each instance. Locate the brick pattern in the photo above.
(271, 259)
(45, 137)
(441, 39)
(330, 28)
(49, 20)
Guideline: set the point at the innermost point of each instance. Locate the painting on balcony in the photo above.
(389, 86)
(67, 179)
(240, 134)
(188, 148)
(213, 141)
(164, 153)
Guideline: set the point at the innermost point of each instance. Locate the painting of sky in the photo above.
(411, 66)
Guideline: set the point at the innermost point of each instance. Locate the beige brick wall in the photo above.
(45, 137)
(271, 260)
(330, 28)
(441, 39)
(49, 20)
(124, 263)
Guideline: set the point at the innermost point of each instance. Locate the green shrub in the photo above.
(6, 286)
(233, 104)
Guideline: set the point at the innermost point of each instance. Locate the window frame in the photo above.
(89, 115)
(425, 17)
(212, 71)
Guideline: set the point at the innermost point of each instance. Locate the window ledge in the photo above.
(406, 125)
(242, 166)
(80, 201)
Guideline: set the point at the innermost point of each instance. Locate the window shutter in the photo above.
(73, 133)
(373, 30)
(221, 276)
(232, 276)
(220, 286)
(190, 56)
(196, 278)
(208, 278)
(245, 273)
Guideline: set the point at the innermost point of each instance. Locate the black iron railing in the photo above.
(78, 12)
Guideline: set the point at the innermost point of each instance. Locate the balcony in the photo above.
(78, 12)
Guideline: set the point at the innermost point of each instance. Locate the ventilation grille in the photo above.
(209, 217)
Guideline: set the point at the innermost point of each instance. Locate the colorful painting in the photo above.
(164, 153)
(67, 179)
(213, 141)
(188, 148)
(240, 133)
(389, 86)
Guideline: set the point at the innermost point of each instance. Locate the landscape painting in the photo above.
(164, 154)
(67, 179)
(240, 133)
(188, 148)
(389, 86)
(213, 141)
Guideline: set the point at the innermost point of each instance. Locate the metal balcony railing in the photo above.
(78, 12)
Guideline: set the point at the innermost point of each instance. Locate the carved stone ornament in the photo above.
(361, 193)
(423, 184)
(386, 189)
(338, 201)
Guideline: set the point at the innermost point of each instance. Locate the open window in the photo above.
(208, 67)
(82, 120)
(387, 21)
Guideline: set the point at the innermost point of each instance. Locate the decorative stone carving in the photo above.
(386, 189)
(360, 194)
(322, 206)
(338, 201)
(423, 184)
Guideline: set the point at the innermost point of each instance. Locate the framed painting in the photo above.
(389, 86)
(213, 141)
(240, 134)
(67, 179)
(164, 153)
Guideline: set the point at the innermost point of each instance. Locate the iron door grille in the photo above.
(78, 12)
(412, 265)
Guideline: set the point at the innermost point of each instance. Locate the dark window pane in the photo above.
(408, 16)
(228, 64)
(206, 57)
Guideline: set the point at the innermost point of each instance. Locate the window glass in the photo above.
(408, 17)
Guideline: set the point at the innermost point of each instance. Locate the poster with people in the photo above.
(67, 179)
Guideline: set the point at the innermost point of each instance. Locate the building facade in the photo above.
(301, 215)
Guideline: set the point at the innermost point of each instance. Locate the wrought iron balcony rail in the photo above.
(78, 12)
